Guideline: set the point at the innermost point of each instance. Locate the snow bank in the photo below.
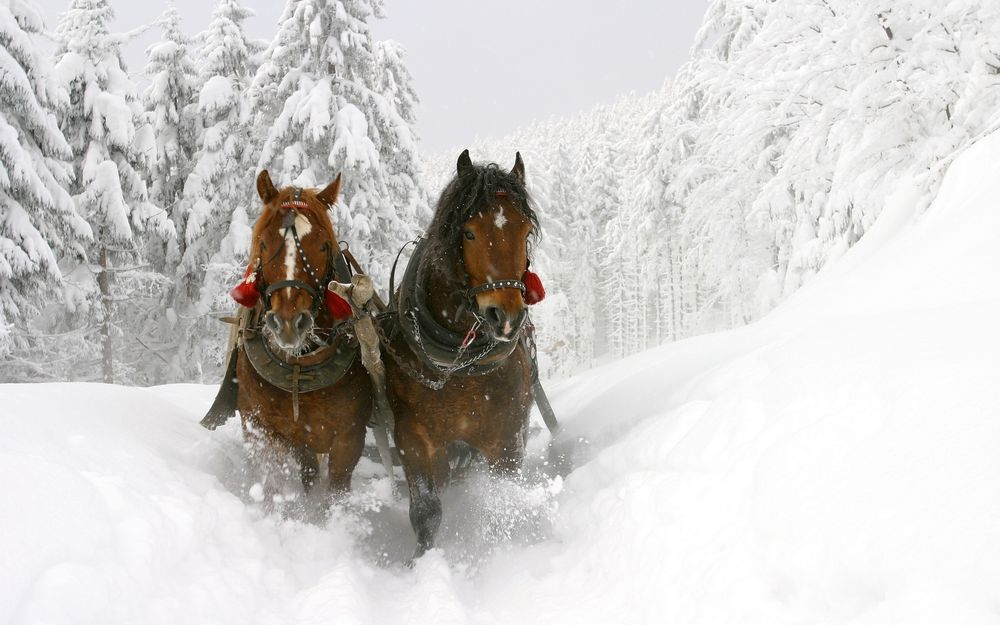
(835, 463)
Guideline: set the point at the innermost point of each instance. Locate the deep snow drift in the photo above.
(836, 463)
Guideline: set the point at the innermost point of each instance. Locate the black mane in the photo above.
(468, 193)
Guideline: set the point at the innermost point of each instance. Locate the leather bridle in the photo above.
(318, 291)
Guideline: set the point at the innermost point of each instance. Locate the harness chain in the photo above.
(455, 365)
(413, 372)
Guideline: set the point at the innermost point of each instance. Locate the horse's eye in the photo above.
(468, 235)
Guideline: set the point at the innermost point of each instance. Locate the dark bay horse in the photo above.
(301, 387)
(460, 368)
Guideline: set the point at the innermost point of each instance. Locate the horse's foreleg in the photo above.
(506, 457)
(308, 466)
(425, 512)
(270, 461)
(418, 456)
(344, 455)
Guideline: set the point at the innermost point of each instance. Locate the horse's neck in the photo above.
(442, 303)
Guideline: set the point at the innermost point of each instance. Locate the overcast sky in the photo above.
(487, 68)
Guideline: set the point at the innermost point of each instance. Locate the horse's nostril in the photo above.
(271, 320)
(303, 322)
(496, 316)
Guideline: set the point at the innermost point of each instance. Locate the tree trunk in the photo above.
(104, 282)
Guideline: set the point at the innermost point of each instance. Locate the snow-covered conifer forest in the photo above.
(694, 208)
(770, 332)
(127, 212)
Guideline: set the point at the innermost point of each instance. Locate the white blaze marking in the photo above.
(500, 220)
(302, 227)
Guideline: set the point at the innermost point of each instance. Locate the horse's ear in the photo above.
(330, 194)
(265, 188)
(518, 169)
(464, 162)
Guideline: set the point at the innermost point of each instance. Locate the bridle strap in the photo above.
(472, 291)
(316, 294)
(494, 286)
(292, 284)
(296, 201)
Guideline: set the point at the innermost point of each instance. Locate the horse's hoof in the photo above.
(417, 553)
(308, 481)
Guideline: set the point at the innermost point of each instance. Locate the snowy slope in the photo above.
(835, 463)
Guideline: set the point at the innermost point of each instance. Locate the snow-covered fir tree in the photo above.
(170, 102)
(38, 219)
(218, 191)
(113, 295)
(329, 101)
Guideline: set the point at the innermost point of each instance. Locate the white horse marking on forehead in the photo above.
(302, 227)
(500, 220)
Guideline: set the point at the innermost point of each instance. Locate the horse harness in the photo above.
(444, 352)
(322, 367)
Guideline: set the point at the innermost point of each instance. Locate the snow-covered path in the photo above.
(835, 463)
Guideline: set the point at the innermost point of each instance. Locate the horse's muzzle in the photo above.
(289, 333)
(500, 325)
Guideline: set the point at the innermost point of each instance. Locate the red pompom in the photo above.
(338, 306)
(246, 292)
(534, 292)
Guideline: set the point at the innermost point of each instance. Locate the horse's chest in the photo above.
(323, 415)
(467, 408)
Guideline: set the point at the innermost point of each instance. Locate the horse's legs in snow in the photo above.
(506, 457)
(419, 457)
(344, 455)
(308, 466)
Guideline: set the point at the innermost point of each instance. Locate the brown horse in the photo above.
(460, 369)
(301, 388)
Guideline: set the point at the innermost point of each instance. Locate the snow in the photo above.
(218, 93)
(833, 463)
(113, 111)
(352, 138)
(105, 188)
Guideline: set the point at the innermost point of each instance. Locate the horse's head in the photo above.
(294, 247)
(495, 226)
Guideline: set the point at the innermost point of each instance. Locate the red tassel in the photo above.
(338, 306)
(246, 293)
(534, 292)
